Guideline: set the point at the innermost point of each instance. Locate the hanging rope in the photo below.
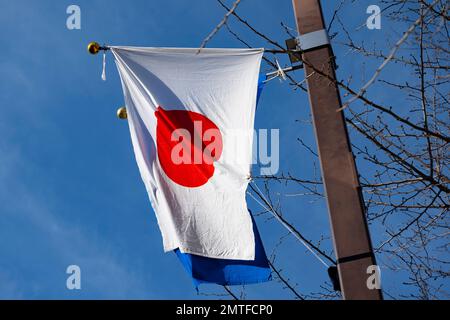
(282, 73)
(276, 74)
(288, 227)
(104, 66)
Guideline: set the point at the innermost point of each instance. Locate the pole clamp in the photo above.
(312, 40)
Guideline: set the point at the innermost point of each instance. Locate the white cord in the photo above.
(104, 66)
(280, 71)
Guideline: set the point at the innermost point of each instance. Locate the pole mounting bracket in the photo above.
(312, 40)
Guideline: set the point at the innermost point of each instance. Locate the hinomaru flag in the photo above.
(191, 120)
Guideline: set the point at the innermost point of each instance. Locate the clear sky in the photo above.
(70, 190)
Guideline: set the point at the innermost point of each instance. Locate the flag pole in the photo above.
(351, 238)
(94, 48)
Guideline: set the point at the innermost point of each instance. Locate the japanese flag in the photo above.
(191, 120)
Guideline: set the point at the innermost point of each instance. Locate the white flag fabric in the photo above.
(191, 117)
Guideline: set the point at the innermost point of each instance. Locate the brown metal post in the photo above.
(352, 243)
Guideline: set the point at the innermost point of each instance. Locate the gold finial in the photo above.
(93, 47)
(122, 113)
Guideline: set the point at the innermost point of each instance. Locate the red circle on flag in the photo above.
(188, 143)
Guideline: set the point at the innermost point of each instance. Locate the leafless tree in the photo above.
(402, 143)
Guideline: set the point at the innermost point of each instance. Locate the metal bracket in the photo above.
(312, 40)
(334, 277)
(295, 56)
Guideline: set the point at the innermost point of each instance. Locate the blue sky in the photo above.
(70, 190)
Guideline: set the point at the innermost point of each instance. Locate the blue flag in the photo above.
(261, 82)
(228, 271)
